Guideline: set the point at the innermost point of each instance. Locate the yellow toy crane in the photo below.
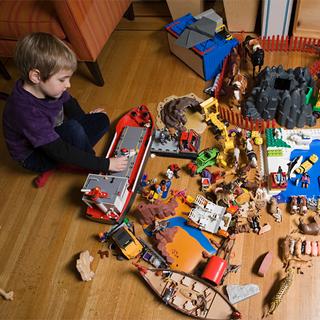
(209, 108)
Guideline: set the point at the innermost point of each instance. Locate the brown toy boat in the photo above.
(189, 294)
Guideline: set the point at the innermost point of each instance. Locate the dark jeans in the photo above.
(83, 133)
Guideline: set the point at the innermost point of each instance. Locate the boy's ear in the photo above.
(34, 76)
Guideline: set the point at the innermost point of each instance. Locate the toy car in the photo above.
(189, 141)
(127, 242)
(129, 245)
(206, 158)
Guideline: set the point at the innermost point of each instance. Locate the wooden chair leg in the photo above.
(129, 14)
(4, 71)
(96, 73)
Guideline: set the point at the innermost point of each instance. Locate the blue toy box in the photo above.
(205, 58)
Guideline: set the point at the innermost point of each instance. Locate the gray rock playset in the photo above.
(281, 95)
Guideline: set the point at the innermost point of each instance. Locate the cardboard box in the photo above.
(179, 8)
(241, 15)
(307, 22)
(206, 58)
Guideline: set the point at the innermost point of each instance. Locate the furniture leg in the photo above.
(96, 73)
(4, 71)
(129, 14)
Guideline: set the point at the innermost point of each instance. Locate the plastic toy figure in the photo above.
(175, 169)
(164, 136)
(253, 48)
(303, 205)
(279, 176)
(151, 195)
(169, 174)
(278, 215)
(255, 224)
(164, 188)
(207, 175)
(192, 168)
(96, 194)
(160, 225)
(205, 184)
(144, 180)
(305, 180)
(294, 205)
(251, 155)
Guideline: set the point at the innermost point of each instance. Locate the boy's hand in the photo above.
(118, 164)
(98, 110)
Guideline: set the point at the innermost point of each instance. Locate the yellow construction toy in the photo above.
(209, 109)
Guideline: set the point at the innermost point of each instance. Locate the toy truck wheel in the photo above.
(215, 130)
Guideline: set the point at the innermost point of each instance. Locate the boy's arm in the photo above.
(72, 109)
(63, 152)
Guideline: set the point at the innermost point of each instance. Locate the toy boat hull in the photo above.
(189, 294)
(134, 132)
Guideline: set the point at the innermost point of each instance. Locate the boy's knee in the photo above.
(103, 120)
(72, 128)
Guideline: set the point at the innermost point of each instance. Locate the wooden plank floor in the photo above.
(43, 230)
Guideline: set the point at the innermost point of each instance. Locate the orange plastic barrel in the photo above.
(215, 269)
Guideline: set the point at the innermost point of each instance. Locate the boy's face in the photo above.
(56, 84)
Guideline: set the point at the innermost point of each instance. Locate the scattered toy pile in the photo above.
(187, 232)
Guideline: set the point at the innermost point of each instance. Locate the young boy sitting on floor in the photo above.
(44, 126)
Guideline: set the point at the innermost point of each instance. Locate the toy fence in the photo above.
(246, 123)
(269, 44)
(281, 43)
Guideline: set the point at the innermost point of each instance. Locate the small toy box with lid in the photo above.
(205, 58)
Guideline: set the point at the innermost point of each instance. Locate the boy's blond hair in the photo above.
(44, 52)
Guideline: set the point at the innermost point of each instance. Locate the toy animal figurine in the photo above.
(277, 215)
(294, 205)
(253, 48)
(236, 154)
(241, 228)
(233, 67)
(285, 246)
(251, 155)
(298, 248)
(239, 85)
(260, 199)
(284, 286)
(273, 205)
(6, 295)
(312, 228)
(303, 205)
(298, 264)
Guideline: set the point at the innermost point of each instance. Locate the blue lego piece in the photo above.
(213, 51)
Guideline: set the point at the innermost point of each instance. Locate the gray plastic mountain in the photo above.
(281, 95)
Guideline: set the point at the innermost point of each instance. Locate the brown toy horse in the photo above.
(253, 48)
(234, 80)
